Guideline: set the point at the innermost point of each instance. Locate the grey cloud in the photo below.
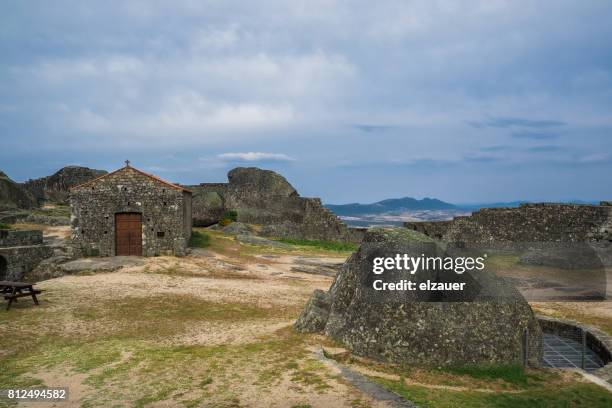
(309, 79)
(373, 128)
(534, 135)
(482, 158)
(512, 122)
(498, 148)
(544, 149)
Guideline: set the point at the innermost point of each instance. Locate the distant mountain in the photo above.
(390, 206)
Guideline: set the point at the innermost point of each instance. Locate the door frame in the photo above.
(117, 232)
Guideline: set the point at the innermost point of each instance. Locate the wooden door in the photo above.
(128, 234)
(3, 268)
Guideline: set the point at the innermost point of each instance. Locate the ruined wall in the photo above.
(20, 252)
(307, 218)
(266, 198)
(543, 222)
(94, 206)
(11, 237)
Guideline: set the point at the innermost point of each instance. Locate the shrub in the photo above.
(229, 217)
(231, 214)
(4, 226)
(199, 239)
(225, 222)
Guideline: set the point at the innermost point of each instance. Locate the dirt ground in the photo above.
(209, 329)
(212, 329)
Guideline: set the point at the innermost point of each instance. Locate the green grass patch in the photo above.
(311, 373)
(199, 239)
(58, 210)
(325, 245)
(4, 226)
(511, 373)
(570, 395)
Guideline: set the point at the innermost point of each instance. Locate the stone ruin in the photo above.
(266, 198)
(487, 323)
(20, 252)
(259, 196)
(130, 212)
(564, 237)
(542, 222)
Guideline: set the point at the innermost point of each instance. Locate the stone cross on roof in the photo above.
(127, 163)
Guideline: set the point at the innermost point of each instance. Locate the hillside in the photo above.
(33, 193)
(390, 206)
(12, 195)
(54, 188)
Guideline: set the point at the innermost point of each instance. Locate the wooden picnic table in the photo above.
(14, 290)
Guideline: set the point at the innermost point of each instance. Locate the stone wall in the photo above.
(20, 252)
(266, 198)
(165, 211)
(11, 237)
(544, 222)
(21, 260)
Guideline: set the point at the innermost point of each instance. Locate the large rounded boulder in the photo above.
(488, 322)
(260, 183)
(207, 208)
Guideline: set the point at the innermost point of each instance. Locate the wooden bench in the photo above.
(14, 290)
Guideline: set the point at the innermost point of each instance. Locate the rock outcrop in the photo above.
(208, 208)
(316, 313)
(34, 193)
(266, 198)
(54, 188)
(237, 228)
(12, 195)
(483, 324)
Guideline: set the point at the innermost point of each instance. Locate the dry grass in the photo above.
(215, 331)
(597, 314)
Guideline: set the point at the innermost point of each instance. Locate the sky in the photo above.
(352, 101)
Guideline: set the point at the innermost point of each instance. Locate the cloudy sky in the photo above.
(467, 101)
